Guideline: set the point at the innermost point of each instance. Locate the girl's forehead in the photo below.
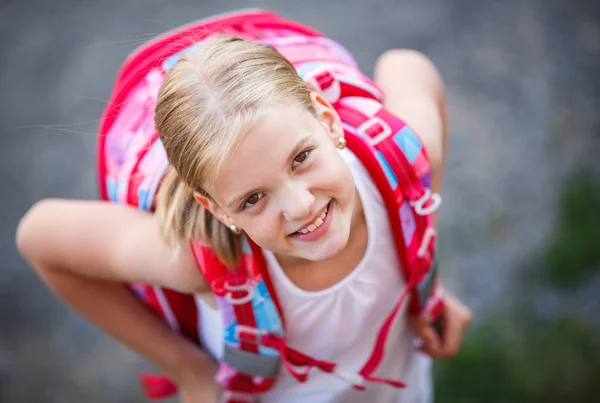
(274, 133)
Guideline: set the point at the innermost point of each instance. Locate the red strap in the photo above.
(377, 354)
(244, 315)
(374, 379)
(290, 357)
(160, 387)
(241, 383)
(408, 183)
(157, 386)
(406, 176)
(185, 311)
(261, 265)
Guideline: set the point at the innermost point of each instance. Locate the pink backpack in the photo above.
(132, 162)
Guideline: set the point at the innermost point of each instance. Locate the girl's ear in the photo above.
(203, 201)
(328, 116)
(214, 208)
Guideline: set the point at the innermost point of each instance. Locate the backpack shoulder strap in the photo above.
(249, 309)
(397, 161)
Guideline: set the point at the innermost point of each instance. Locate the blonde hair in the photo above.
(207, 102)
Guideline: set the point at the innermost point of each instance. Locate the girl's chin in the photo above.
(325, 251)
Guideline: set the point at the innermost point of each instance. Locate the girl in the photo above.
(253, 153)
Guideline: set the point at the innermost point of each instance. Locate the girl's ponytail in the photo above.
(182, 218)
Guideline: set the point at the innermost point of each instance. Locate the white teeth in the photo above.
(316, 224)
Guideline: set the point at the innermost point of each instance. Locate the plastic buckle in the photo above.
(330, 90)
(246, 286)
(428, 236)
(375, 121)
(239, 329)
(435, 198)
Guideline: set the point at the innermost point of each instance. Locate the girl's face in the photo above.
(287, 186)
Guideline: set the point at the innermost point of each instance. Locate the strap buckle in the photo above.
(428, 236)
(367, 130)
(245, 286)
(252, 331)
(435, 198)
(325, 82)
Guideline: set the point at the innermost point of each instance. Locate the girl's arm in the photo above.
(86, 251)
(414, 91)
(105, 241)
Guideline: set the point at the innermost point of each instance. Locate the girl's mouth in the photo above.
(317, 228)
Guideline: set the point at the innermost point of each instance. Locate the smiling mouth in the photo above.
(315, 224)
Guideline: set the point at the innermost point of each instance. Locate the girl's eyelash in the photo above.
(245, 205)
(307, 152)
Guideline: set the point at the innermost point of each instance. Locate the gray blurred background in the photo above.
(520, 221)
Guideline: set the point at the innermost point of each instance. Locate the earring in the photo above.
(341, 143)
(235, 229)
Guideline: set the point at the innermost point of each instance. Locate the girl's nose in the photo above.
(298, 203)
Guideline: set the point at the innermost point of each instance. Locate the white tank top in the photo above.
(340, 323)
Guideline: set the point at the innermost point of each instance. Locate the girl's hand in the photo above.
(196, 384)
(455, 319)
(200, 392)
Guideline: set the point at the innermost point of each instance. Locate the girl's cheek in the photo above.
(264, 227)
(341, 176)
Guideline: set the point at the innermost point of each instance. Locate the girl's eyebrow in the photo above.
(233, 203)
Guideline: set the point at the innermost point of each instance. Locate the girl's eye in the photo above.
(252, 200)
(300, 158)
